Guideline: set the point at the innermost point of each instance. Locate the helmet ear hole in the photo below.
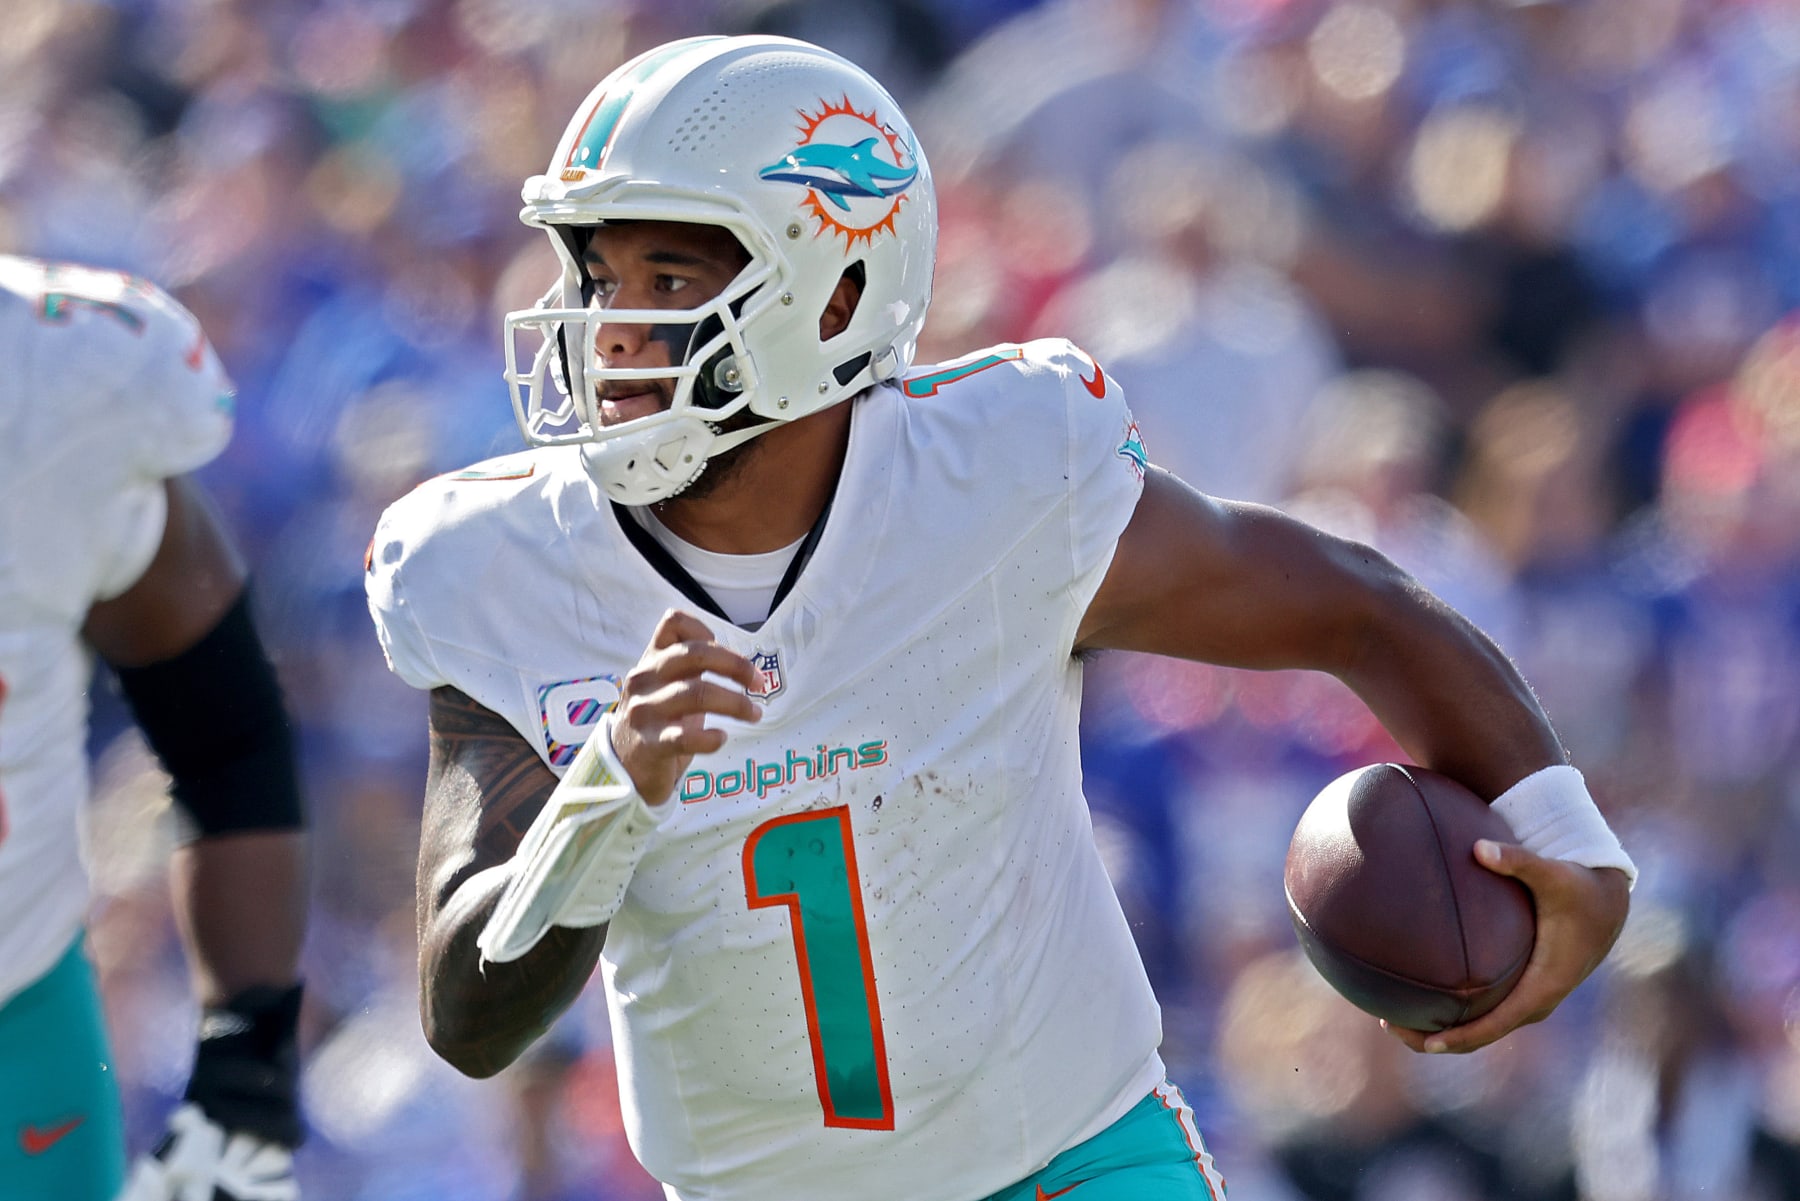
(840, 307)
(845, 299)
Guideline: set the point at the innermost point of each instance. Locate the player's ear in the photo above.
(842, 305)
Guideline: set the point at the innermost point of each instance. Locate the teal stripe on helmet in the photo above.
(590, 149)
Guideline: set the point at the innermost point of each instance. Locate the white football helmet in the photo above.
(809, 163)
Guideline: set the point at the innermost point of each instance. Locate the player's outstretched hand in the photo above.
(201, 1161)
(1580, 911)
(659, 724)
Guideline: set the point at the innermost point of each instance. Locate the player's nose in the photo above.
(617, 341)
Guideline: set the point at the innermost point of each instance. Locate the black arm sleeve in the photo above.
(214, 716)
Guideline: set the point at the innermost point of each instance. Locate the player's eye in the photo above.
(671, 284)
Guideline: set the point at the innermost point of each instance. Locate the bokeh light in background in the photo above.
(1510, 289)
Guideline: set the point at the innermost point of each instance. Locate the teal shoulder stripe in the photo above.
(919, 387)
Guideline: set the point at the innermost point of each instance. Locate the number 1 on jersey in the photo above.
(806, 862)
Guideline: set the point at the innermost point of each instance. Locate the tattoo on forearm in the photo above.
(486, 785)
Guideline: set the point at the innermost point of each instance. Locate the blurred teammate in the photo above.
(800, 626)
(109, 395)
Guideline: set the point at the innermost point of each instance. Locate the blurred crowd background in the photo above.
(1509, 289)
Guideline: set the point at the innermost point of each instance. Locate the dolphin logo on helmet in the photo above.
(840, 171)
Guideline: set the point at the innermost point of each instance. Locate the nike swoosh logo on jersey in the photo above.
(36, 1141)
(1041, 1194)
(1096, 388)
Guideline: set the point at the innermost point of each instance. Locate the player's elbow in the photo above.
(1375, 605)
(466, 1046)
(475, 1062)
(479, 1015)
(464, 1022)
(1392, 629)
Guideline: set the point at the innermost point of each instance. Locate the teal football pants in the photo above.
(62, 1132)
(1153, 1153)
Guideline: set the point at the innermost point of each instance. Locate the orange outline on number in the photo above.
(791, 901)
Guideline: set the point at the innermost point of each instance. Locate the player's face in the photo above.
(652, 265)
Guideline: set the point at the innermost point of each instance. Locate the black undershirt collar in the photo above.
(666, 565)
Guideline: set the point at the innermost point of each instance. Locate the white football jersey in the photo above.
(871, 951)
(108, 388)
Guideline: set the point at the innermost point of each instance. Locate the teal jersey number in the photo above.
(806, 862)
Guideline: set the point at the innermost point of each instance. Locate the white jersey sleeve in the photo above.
(109, 388)
(1042, 425)
(190, 421)
(433, 566)
(114, 389)
(1106, 463)
(396, 624)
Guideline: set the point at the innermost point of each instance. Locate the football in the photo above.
(1391, 905)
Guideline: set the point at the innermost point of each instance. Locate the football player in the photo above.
(756, 681)
(110, 396)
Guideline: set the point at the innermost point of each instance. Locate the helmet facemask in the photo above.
(709, 382)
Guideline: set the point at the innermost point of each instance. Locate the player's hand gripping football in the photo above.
(1580, 911)
(232, 1137)
(659, 724)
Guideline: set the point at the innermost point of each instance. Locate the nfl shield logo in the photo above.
(768, 674)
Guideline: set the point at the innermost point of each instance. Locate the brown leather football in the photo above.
(1391, 905)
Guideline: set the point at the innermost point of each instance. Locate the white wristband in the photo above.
(596, 764)
(1551, 814)
(576, 860)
